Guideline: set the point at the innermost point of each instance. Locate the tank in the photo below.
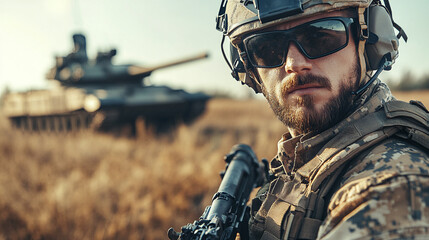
(95, 93)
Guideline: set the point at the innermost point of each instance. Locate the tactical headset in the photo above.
(381, 46)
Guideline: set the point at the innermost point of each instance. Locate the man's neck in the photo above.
(293, 132)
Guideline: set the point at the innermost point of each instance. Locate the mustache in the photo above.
(295, 81)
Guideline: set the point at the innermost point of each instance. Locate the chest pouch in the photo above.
(291, 210)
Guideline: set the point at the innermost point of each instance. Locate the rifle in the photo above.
(228, 213)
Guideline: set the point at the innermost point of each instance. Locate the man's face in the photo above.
(311, 94)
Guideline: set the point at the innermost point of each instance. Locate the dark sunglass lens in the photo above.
(266, 49)
(321, 38)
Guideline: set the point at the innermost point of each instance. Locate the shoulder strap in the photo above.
(397, 118)
(413, 116)
(409, 121)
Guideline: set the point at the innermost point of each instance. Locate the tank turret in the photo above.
(99, 94)
(75, 68)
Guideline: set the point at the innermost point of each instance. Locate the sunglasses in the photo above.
(315, 39)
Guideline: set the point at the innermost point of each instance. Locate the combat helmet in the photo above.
(377, 42)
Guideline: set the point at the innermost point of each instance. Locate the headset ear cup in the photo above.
(239, 71)
(237, 64)
(382, 41)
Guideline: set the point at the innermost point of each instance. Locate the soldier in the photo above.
(354, 163)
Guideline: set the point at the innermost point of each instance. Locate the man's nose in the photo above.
(296, 62)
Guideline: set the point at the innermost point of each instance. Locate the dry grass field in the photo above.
(90, 185)
(422, 96)
(94, 186)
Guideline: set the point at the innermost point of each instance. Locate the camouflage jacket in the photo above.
(361, 179)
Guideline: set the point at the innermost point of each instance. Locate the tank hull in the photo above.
(107, 108)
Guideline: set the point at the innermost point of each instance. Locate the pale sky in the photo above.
(148, 32)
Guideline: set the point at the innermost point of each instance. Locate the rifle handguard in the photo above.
(228, 212)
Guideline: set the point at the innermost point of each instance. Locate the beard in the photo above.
(310, 119)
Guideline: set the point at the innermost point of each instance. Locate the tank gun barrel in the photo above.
(136, 70)
(77, 69)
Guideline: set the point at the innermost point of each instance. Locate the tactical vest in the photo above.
(295, 207)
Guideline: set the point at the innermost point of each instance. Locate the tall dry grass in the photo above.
(94, 186)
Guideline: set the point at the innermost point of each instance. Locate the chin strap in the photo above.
(233, 73)
(384, 65)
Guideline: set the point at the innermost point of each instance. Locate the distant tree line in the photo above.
(408, 82)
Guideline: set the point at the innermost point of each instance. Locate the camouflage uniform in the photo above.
(361, 179)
